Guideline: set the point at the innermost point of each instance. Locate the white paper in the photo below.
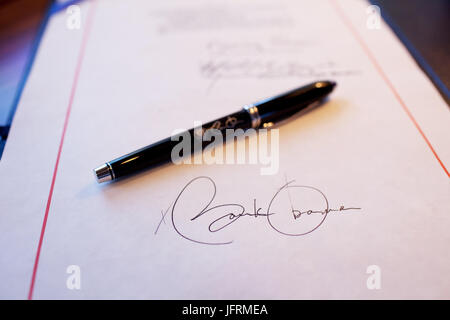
(146, 69)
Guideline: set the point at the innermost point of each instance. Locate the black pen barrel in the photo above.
(160, 152)
(283, 106)
(262, 114)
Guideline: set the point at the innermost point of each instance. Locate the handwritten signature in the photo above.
(226, 68)
(281, 217)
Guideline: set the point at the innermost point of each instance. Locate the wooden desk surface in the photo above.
(426, 25)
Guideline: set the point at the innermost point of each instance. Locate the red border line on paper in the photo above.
(377, 66)
(61, 142)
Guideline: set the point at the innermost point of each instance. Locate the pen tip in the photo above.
(103, 173)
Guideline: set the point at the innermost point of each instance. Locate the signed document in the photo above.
(357, 202)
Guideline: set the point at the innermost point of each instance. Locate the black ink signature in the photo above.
(216, 69)
(235, 212)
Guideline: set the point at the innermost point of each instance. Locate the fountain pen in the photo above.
(262, 114)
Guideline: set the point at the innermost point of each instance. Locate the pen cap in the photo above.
(283, 106)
